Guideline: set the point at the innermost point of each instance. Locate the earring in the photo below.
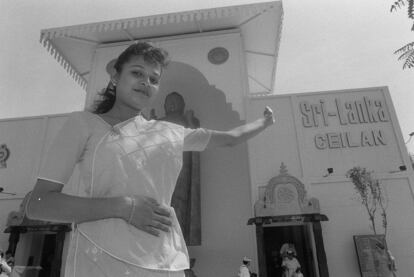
(111, 87)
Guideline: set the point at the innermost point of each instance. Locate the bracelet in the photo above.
(131, 214)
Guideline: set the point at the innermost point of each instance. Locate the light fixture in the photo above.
(2, 191)
(400, 168)
(330, 171)
(410, 136)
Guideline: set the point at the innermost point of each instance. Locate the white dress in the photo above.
(244, 271)
(135, 157)
(291, 266)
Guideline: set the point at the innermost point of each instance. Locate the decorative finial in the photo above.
(283, 169)
(4, 155)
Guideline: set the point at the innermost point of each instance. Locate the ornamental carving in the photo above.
(284, 195)
(4, 155)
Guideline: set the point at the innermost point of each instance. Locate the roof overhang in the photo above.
(260, 25)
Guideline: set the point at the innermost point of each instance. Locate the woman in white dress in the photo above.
(123, 222)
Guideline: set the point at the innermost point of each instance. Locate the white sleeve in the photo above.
(196, 139)
(244, 272)
(297, 263)
(65, 150)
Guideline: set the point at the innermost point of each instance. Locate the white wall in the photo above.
(27, 139)
(348, 218)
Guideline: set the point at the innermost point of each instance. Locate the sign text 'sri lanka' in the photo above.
(346, 113)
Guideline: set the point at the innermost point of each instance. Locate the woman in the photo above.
(123, 222)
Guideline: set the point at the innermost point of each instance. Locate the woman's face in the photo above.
(137, 84)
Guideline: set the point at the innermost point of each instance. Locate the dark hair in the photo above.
(150, 54)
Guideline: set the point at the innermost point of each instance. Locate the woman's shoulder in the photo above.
(166, 123)
(162, 124)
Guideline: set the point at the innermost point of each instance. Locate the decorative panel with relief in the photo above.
(284, 195)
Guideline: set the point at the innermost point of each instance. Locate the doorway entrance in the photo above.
(48, 255)
(277, 240)
(285, 217)
(303, 233)
(40, 253)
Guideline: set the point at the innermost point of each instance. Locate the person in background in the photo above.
(5, 269)
(244, 270)
(9, 258)
(290, 264)
(123, 222)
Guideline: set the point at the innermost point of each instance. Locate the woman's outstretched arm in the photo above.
(242, 133)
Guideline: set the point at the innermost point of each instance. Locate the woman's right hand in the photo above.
(148, 215)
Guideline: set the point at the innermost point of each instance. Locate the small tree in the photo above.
(371, 195)
(373, 199)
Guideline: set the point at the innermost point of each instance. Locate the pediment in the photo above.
(285, 194)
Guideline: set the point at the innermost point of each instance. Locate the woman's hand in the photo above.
(242, 133)
(268, 116)
(147, 215)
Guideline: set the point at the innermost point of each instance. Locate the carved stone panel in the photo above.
(285, 195)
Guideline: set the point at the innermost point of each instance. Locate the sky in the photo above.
(325, 45)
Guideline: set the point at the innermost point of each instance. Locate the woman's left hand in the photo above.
(268, 116)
